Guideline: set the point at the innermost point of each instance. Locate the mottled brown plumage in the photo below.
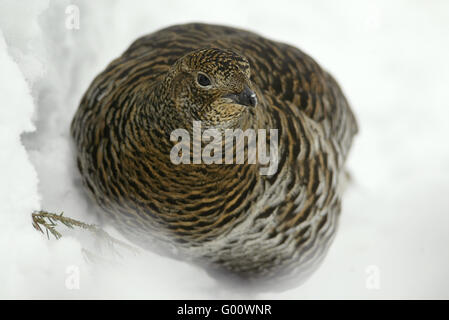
(225, 216)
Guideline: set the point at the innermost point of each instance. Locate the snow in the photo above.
(391, 60)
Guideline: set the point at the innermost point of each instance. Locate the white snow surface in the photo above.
(390, 59)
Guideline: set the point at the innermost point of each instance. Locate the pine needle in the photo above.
(43, 220)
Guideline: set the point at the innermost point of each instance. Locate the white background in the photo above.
(390, 59)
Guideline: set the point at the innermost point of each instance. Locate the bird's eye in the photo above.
(203, 80)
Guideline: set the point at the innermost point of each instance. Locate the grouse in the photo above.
(231, 217)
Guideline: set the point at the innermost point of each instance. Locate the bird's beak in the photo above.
(247, 97)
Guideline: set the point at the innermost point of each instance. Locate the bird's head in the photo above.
(213, 86)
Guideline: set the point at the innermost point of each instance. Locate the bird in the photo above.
(228, 218)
